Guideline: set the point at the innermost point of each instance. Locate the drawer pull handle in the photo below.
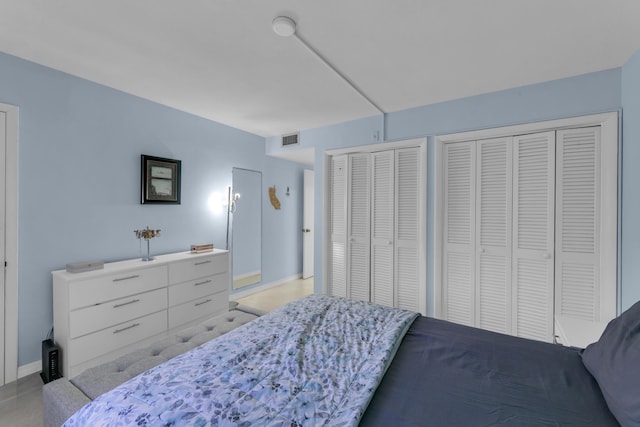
(202, 262)
(124, 329)
(126, 303)
(202, 283)
(120, 279)
(203, 302)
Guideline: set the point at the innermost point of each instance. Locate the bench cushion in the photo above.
(100, 379)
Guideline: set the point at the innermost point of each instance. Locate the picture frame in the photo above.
(160, 180)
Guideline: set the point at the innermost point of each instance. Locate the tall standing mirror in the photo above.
(246, 227)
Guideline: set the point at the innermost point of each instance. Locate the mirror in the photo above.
(245, 208)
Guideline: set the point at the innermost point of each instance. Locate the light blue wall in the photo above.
(79, 173)
(581, 95)
(630, 244)
(80, 144)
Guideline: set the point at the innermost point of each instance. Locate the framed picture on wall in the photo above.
(160, 180)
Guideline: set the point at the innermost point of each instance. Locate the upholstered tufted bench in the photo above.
(63, 397)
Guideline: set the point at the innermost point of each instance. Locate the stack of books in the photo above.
(198, 249)
(80, 267)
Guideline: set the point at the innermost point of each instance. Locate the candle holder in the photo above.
(147, 234)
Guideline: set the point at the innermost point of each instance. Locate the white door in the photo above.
(578, 221)
(337, 283)
(358, 227)
(533, 235)
(493, 235)
(3, 142)
(307, 225)
(408, 254)
(382, 228)
(458, 274)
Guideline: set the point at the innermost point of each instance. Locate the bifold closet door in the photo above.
(382, 228)
(358, 227)
(533, 235)
(408, 205)
(395, 228)
(499, 234)
(350, 222)
(493, 234)
(459, 279)
(338, 223)
(578, 222)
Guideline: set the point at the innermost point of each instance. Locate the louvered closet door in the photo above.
(358, 226)
(337, 284)
(459, 232)
(382, 228)
(493, 228)
(578, 220)
(533, 235)
(407, 226)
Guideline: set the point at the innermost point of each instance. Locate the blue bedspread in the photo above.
(316, 361)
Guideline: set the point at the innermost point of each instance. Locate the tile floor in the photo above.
(277, 296)
(21, 401)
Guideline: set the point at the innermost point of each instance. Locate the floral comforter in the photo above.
(316, 361)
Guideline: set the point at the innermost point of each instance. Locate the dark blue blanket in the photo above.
(451, 375)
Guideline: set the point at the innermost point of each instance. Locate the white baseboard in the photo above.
(246, 292)
(29, 369)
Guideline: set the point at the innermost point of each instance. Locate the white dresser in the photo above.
(101, 314)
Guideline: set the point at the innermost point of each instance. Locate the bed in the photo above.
(331, 361)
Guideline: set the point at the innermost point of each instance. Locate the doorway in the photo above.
(307, 224)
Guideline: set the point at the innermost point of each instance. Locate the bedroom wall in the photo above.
(79, 175)
(580, 95)
(630, 244)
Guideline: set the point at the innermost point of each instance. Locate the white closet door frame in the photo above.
(609, 184)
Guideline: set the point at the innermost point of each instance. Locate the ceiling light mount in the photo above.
(284, 26)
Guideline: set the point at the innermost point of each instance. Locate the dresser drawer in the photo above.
(207, 306)
(90, 319)
(109, 287)
(198, 267)
(197, 288)
(97, 344)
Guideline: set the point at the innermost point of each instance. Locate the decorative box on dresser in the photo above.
(101, 314)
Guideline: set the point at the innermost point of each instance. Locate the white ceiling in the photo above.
(220, 59)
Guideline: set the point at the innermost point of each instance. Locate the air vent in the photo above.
(292, 139)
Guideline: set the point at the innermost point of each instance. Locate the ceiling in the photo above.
(220, 59)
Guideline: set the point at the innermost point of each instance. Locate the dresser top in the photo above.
(136, 263)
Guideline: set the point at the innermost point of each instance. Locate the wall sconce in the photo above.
(232, 202)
